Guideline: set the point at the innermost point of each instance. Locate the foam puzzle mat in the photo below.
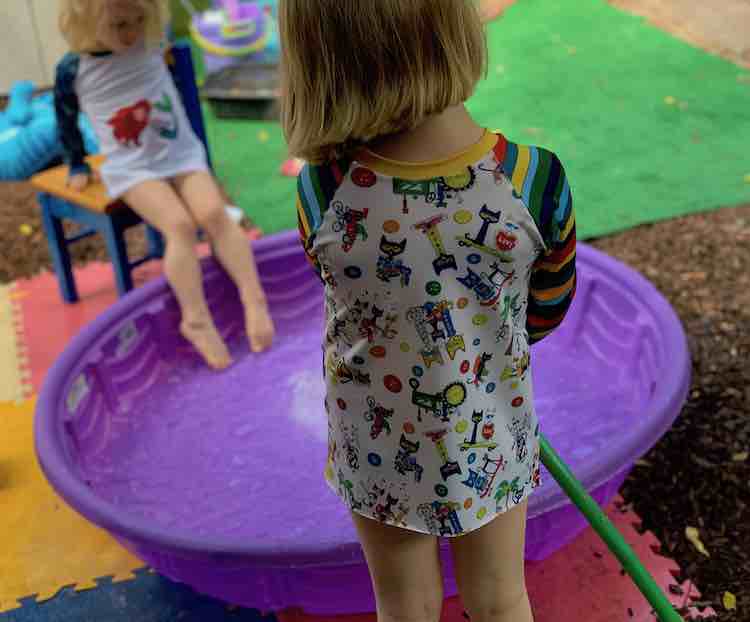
(44, 544)
(15, 378)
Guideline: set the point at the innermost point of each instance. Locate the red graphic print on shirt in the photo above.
(129, 123)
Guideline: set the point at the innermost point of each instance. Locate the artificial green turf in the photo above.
(589, 82)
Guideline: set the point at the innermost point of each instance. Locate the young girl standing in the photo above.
(446, 251)
(116, 74)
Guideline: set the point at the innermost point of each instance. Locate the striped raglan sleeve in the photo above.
(309, 215)
(316, 187)
(66, 112)
(553, 275)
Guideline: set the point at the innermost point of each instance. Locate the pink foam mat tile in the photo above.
(48, 324)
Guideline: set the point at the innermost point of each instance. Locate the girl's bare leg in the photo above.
(490, 570)
(405, 571)
(157, 203)
(203, 198)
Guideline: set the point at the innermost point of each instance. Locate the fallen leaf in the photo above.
(691, 533)
(729, 600)
(669, 100)
(747, 178)
(694, 276)
(26, 229)
(741, 456)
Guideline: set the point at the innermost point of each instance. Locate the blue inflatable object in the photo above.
(28, 133)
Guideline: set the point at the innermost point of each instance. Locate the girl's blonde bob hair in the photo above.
(353, 71)
(79, 20)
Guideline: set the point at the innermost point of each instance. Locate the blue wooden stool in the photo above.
(96, 212)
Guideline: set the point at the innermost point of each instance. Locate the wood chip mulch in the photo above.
(698, 475)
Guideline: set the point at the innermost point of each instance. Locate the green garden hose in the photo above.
(609, 533)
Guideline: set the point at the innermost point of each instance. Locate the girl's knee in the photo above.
(498, 605)
(180, 229)
(213, 220)
(411, 607)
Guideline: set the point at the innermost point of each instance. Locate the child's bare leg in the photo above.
(405, 571)
(489, 569)
(203, 198)
(158, 204)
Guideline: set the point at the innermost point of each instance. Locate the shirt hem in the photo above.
(485, 521)
(117, 191)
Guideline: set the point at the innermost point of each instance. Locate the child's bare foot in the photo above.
(259, 326)
(206, 339)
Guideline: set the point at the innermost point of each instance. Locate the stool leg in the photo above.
(58, 249)
(155, 242)
(118, 254)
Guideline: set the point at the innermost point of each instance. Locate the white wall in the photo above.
(30, 44)
(53, 46)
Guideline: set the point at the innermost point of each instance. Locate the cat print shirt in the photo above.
(438, 277)
(136, 112)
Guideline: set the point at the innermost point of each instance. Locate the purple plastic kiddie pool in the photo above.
(216, 480)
